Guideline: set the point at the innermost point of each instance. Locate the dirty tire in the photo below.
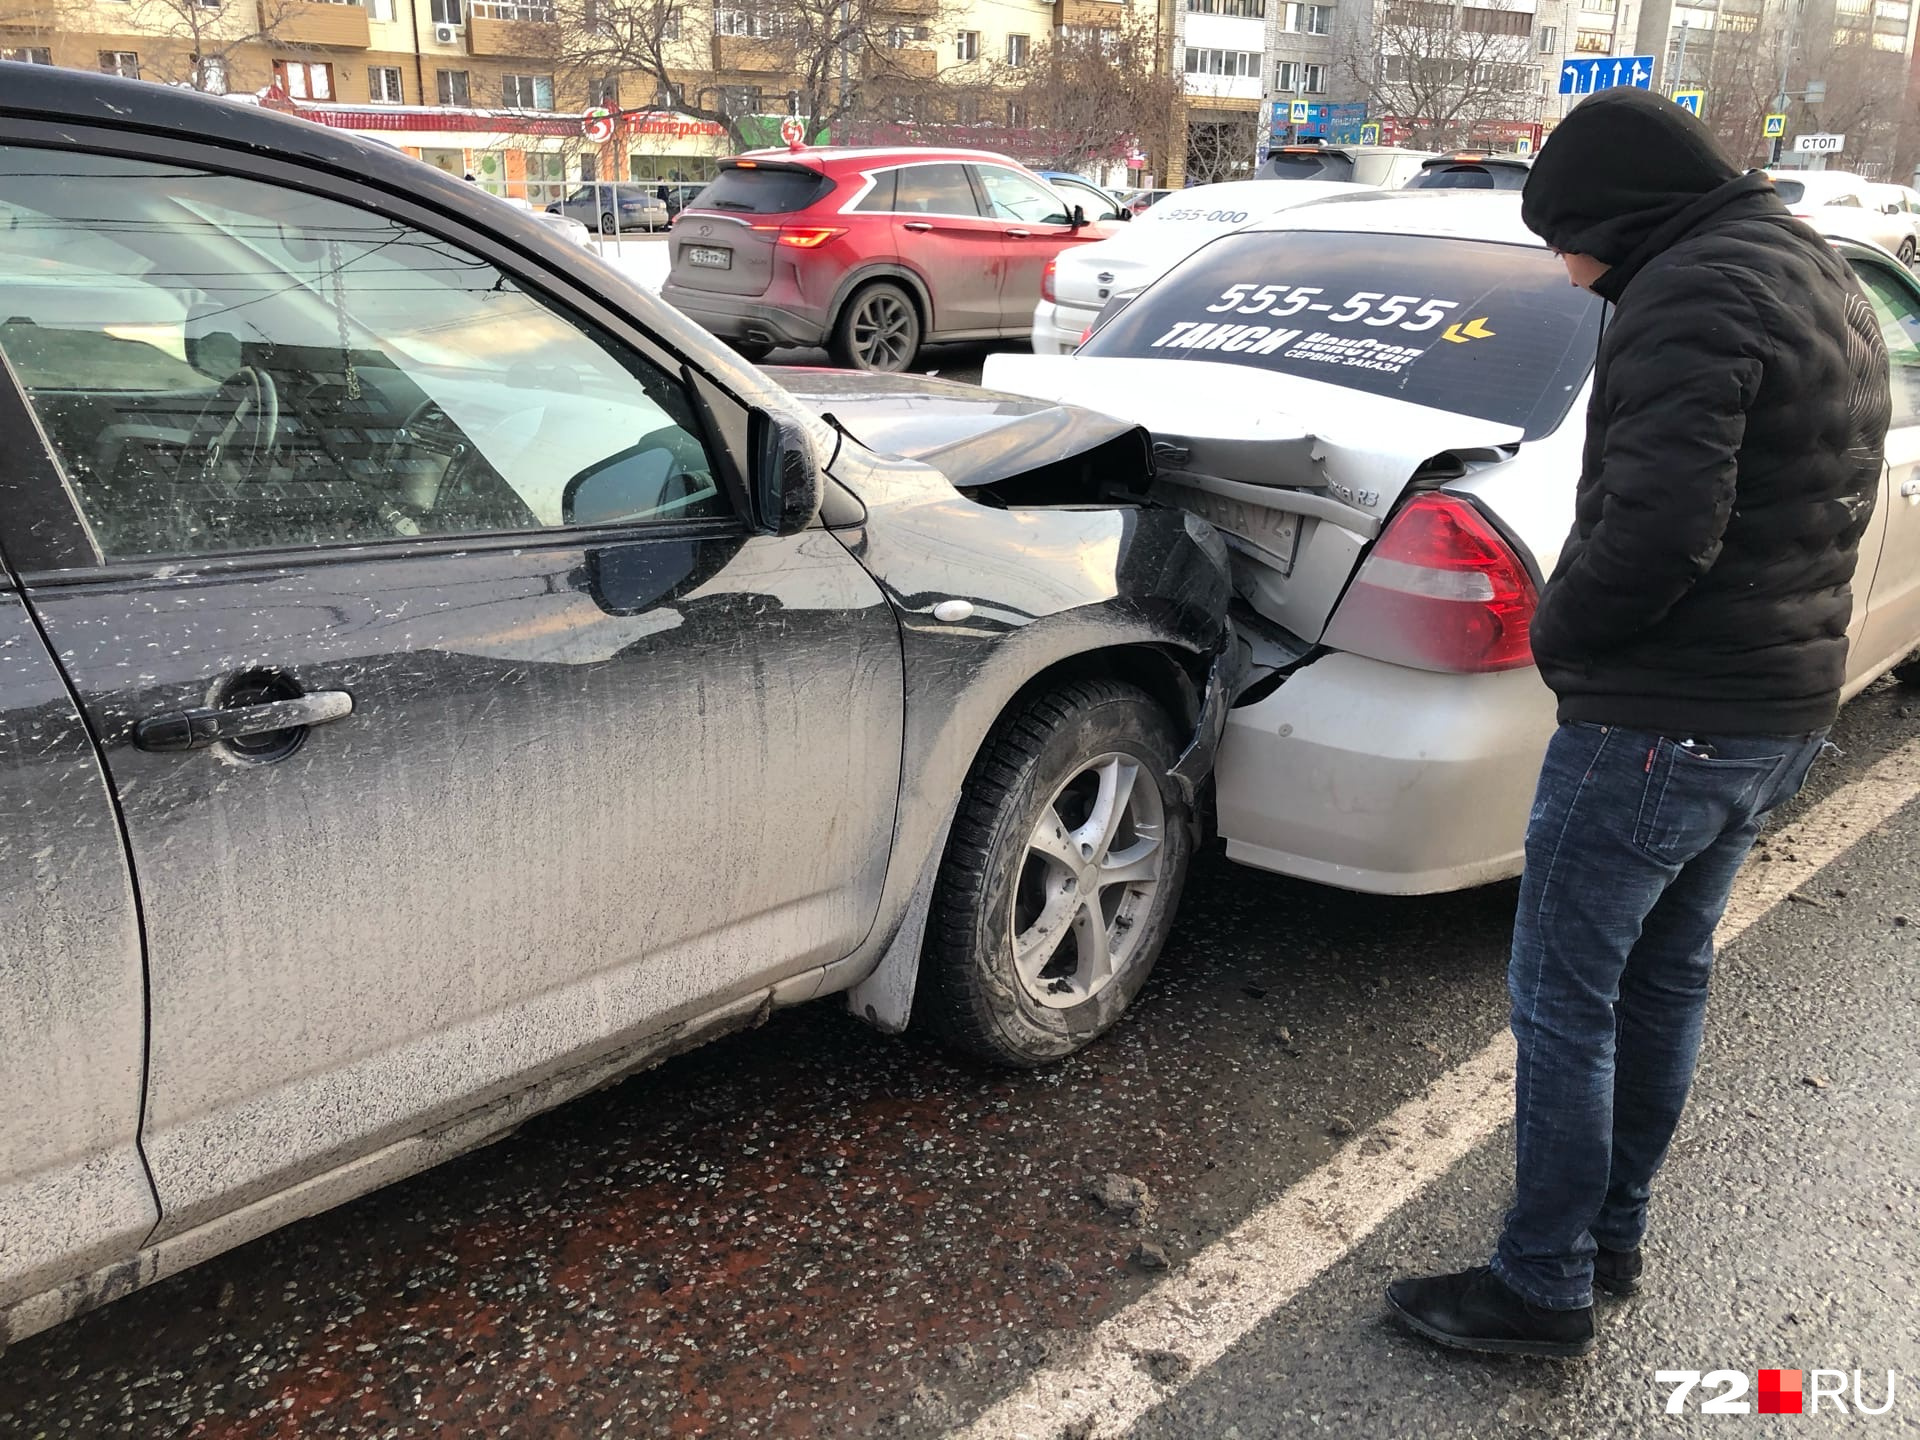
(1907, 251)
(878, 329)
(970, 993)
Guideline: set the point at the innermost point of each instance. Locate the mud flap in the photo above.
(885, 998)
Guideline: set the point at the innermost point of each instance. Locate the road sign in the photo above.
(597, 125)
(1370, 133)
(1775, 127)
(1344, 122)
(1301, 110)
(792, 132)
(1523, 146)
(1819, 144)
(1583, 77)
(1689, 100)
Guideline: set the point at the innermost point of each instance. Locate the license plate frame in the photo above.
(710, 257)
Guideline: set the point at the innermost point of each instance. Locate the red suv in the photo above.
(872, 253)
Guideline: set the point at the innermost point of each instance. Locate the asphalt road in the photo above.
(810, 1230)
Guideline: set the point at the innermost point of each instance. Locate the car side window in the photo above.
(935, 190)
(1012, 196)
(224, 365)
(1851, 202)
(880, 199)
(1898, 311)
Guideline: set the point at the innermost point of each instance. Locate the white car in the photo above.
(1900, 203)
(1382, 406)
(1836, 203)
(1078, 283)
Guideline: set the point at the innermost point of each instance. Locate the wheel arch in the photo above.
(857, 280)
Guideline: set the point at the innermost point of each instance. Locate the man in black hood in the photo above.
(1694, 632)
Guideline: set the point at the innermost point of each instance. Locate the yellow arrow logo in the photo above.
(1474, 329)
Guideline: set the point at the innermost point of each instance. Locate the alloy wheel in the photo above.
(883, 326)
(1088, 879)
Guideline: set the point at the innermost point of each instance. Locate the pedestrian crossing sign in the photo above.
(1776, 127)
(1689, 100)
(1369, 134)
(1302, 112)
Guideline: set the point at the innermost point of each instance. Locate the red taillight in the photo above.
(1442, 590)
(802, 237)
(1046, 280)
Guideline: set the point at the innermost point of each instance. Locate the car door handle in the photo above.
(197, 729)
(916, 225)
(1910, 489)
(1019, 234)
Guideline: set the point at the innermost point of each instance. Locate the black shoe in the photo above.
(1475, 1310)
(1617, 1271)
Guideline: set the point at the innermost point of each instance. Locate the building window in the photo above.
(1286, 77)
(901, 36)
(1313, 79)
(28, 55)
(1235, 63)
(120, 62)
(210, 74)
(304, 79)
(1393, 69)
(1307, 19)
(1016, 114)
(1593, 42)
(966, 110)
(1549, 39)
(1018, 48)
(453, 87)
(739, 99)
(380, 9)
(1481, 21)
(672, 97)
(966, 45)
(756, 24)
(517, 12)
(603, 94)
(526, 92)
(1246, 9)
(669, 26)
(448, 12)
(383, 85)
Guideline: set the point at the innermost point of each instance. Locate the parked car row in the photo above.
(1838, 203)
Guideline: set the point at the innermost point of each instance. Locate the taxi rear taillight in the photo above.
(1442, 590)
(1046, 280)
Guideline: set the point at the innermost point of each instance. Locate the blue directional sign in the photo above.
(1583, 77)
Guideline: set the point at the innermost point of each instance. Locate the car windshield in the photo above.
(757, 191)
(1307, 165)
(1471, 326)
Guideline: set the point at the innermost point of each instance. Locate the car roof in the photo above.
(1267, 194)
(1453, 214)
(841, 159)
(1823, 180)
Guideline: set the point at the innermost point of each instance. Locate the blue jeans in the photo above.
(1632, 847)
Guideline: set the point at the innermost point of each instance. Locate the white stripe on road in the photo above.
(1242, 1279)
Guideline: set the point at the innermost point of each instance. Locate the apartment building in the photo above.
(481, 87)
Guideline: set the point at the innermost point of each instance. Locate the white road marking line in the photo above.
(1246, 1276)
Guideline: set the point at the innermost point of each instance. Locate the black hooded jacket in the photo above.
(1734, 437)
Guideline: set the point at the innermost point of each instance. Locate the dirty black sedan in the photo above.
(436, 679)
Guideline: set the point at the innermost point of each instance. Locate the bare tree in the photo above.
(1094, 95)
(1221, 145)
(1443, 69)
(1741, 76)
(206, 40)
(1865, 101)
(824, 61)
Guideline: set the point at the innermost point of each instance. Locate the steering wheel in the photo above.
(241, 423)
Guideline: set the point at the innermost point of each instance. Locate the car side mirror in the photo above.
(1121, 214)
(1077, 217)
(786, 476)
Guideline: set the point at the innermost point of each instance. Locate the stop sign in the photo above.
(597, 125)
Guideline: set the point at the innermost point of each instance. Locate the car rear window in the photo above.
(1470, 326)
(1469, 176)
(1307, 165)
(758, 191)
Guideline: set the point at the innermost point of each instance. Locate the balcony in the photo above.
(916, 9)
(908, 64)
(316, 23)
(512, 28)
(747, 54)
(1099, 14)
